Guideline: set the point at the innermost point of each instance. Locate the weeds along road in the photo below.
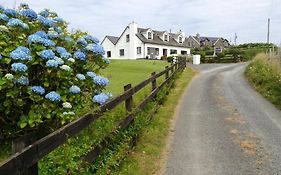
(224, 127)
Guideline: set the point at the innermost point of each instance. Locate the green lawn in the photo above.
(123, 72)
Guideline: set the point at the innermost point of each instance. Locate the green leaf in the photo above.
(22, 125)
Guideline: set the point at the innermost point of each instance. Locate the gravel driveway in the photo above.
(224, 127)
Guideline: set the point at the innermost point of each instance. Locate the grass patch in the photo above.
(264, 75)
(123, 72)
(147, 156)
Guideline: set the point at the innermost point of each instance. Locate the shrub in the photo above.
(265, 75)
(47, 74)
(170, 59)
(220, 55)
(164, 57)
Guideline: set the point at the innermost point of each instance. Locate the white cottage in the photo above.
(137, 42)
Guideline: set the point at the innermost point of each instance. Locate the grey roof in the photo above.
(157, 40)
(113, 39)
(204, 38)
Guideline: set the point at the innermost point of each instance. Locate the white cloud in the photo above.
(247, 18)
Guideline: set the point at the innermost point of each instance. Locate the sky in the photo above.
(217, 18)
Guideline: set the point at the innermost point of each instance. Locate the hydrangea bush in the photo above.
(47, 73)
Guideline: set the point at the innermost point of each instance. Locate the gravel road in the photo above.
(224, 127)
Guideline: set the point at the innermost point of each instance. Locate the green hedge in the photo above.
(265, 76)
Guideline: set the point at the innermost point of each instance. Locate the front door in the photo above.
(165, 52)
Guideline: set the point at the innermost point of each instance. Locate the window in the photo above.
(127, 38)
(108, 54)
(149, 35)
(156, 51)
(172, 51)
(138, 50)
(166, 38)
(121, 52)
(180, 39)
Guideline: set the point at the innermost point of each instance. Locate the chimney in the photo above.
(198, 35)
(133, 30)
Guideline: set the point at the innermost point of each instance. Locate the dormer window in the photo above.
(128, 38)
(149, 35)
(180, 39)
(165, 37)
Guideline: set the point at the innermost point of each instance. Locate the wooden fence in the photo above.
(25, 162)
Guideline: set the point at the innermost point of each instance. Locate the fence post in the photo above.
(167, 72)
(153, 82)
(18, 145)
(172, 70)
(129, 100)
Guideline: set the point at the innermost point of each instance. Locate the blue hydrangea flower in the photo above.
(60, 49)
(38, 90)
(58, 20)
(40, 38)
(58, 29)
(59, 60)
(45, 21)
(91, 74)
(96, 48)
(101, 98)
(47, 42)
(91, 38)
(81, 76)
(17, 22)
(4, 17)
(47, 54)
(0, 56)
(23, 80)
(68, 39)
(80, 55)
(74, 90)
(11, 12)
(82, 41)
(19, 67)
(34, 39)
(52, 63)
(44, 13)
(63, 53)
(53, 96)
(42, 34)
(21, 53)
(29, 13)
(53, 34)
(99, 80)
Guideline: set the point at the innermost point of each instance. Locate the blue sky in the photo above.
(247, 18)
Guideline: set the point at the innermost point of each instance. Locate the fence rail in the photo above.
(25, 161)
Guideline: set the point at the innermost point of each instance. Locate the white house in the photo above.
(137, 42)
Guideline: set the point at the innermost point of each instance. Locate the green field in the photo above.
(123, 72)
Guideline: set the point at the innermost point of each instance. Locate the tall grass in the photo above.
(265, 75)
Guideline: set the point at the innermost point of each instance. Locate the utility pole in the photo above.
(268, 30)
(235, 39)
